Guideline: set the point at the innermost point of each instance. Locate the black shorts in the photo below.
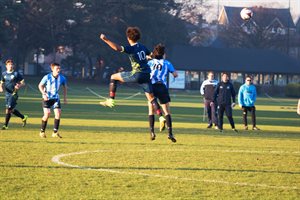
(248, 108)
(52, 103)
(161, 92)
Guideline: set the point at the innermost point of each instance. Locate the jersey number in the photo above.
(157, 67)
(141, 55)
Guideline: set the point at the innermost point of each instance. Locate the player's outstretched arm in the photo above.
(112, 45)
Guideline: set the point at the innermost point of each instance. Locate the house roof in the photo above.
(232, 60)
(262, 16)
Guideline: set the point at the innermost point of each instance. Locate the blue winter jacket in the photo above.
(247, 95)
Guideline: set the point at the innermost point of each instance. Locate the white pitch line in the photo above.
(56, 159)
(136, 94)
(98, 95)
(273, 98)
(34, 89)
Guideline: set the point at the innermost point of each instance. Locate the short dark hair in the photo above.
(133, 33)
(248, 76)
(225, 73)
(9, 61)
(158, 51)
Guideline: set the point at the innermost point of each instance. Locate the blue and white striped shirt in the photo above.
(53, 84)
(159, 70)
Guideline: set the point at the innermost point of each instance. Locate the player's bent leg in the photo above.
(114, 79)
(24, 120)
(162, 123)
(7, 118)
(170, 129)
(23, 117)
(162, 120)
(44, 122)
(151, 121)
(57, 113)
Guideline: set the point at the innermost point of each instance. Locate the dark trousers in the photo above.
(211, 112)
(253, 116)
(228, 110)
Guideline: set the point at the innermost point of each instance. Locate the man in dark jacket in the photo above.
(223, 94)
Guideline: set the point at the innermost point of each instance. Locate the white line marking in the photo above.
(34, 89)
(98, 95)
(136, 94)
(56, 159)
(272, 98)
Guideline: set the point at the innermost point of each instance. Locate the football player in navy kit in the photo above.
(140, 72)
(12, 81)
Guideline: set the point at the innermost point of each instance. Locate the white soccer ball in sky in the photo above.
(246, 14)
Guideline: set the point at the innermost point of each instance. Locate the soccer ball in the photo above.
(246, 14)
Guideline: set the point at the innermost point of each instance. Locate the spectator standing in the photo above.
(247, 98)
(207, 89)
(223, 95)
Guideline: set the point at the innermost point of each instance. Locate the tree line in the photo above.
(27, 26)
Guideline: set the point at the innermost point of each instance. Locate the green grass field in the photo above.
(107, 153)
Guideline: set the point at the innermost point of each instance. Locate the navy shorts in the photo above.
(161, 92)
(11, 100)
(143, 79)
(52, 103)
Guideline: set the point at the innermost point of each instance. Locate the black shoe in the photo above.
(171, 137)
(209, 126)
(152, 136)
(255, 128)
(221, 130)
(235, 130)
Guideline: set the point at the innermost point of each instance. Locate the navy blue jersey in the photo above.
(137, 55)
(10, 79)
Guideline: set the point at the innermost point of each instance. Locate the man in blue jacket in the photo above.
(247, 98)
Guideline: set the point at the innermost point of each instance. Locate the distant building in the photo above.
(268, 67)
(298, 26)
(275, 23)
(273, 19)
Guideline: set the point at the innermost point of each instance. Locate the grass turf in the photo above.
(107, 154)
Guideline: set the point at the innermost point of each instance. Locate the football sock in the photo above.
(7, 118)
(56, 125)
(169, 123)
(156, 107)
(151, 123)
(112, 88)
(18, 114)
(44, 125)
